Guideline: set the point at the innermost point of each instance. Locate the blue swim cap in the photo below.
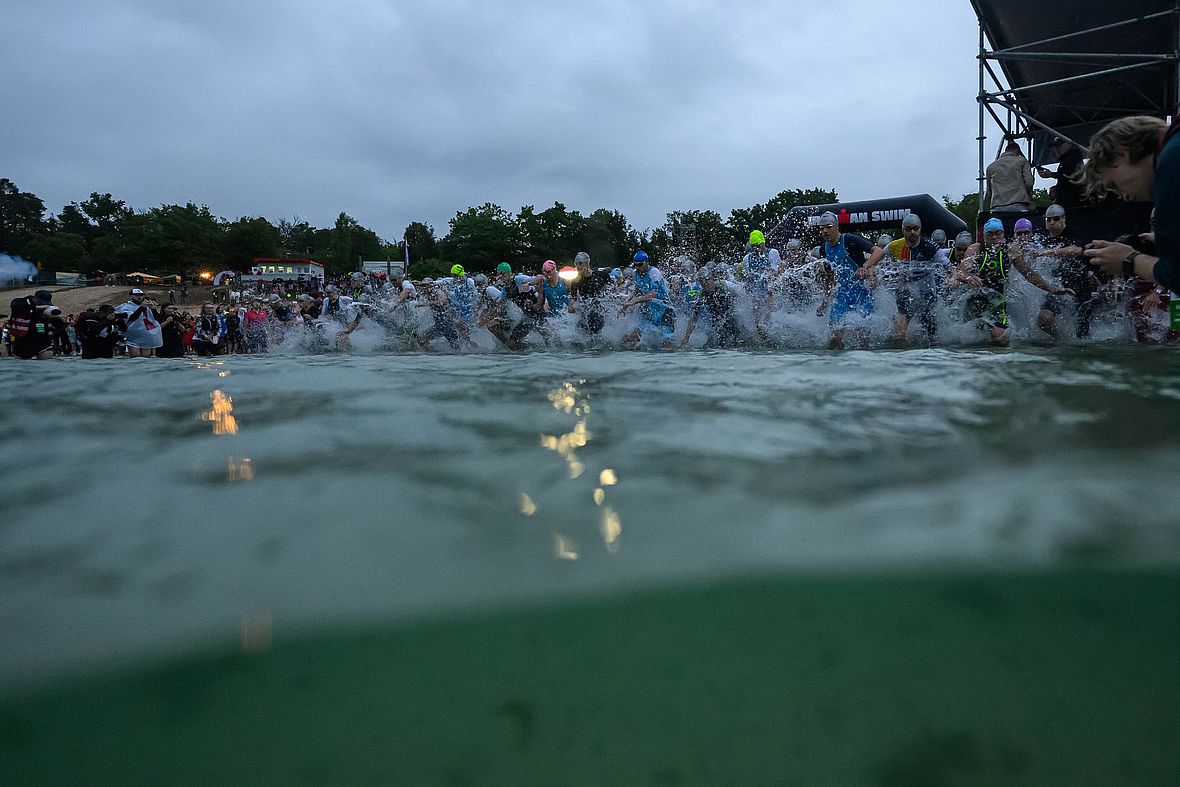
(616, 273)
(992, 225)
(640, 256)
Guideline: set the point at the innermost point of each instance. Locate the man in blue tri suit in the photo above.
(850, 258)
(651, 295)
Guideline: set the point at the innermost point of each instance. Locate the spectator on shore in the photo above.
(142, 334)
(1009, 181)
(100, 331)
(173, 325)
(1067, 193)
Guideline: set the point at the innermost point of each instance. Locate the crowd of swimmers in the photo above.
(895, 292)
(919, 288)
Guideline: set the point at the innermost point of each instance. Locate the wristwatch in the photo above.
(1129, 263)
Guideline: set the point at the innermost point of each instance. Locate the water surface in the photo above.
(996, 520)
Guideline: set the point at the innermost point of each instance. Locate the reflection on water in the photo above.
(564, 548)
(612, 528)
(567, 445)
(221, 414)
(240, 469)
(568, 398)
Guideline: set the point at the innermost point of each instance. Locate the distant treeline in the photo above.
(102, 233)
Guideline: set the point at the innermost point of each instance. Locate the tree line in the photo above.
(102, 233)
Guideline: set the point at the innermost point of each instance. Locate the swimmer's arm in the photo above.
(874, 257)
(962, 272)
(829, 285)
(636, 299)
(1035, 278)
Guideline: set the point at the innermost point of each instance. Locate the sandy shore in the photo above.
(73, 300)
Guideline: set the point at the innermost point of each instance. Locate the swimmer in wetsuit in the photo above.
(850, 260)
(985, 268)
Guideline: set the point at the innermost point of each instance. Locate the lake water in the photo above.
(919, 567)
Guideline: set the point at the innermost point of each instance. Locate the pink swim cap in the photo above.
(549, 266)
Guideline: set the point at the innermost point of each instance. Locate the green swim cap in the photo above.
(757, 237)
(503, 267)
(457, 270)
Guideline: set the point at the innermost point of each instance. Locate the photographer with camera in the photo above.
(174, 324)
(1138, 158)
(143, 334)
(99, 331)
(30, 326)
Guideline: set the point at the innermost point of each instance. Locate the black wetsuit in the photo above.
(98, 335)
(233, 328)
(444, 320)
(173, 332)
(718, 305)
(533, 315)
(589, 292)
(917, 296)
(990, 304)
(1073, 273)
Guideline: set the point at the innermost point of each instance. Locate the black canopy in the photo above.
(1075, 66)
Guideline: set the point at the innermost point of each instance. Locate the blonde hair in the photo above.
(1135, 137)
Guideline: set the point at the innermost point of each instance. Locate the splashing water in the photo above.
(790, 317)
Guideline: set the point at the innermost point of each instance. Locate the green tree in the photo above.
(351, 242)
(482, 237)
(59, 251)
(105, 211)
(22, 215)
(700, 234)
(422, 242)
(246, 239)
(73, 220)
(432, 267)
(296, 238)
(743, 221)
(171, 239)
(966, 207)
(553, 234)
(609, 238)
(367, 244)
(340, 253)
(99, 221)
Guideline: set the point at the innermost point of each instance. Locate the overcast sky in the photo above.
(394, 111)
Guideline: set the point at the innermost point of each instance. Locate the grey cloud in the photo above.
(395, 111)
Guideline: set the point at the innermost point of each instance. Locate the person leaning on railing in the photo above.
(1138, 158)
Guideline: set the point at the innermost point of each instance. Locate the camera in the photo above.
(51, 311)
(1136, 242)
